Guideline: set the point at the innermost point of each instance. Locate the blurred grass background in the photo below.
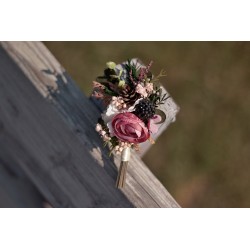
(203, 158)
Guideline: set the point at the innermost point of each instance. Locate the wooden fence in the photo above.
(49, 150)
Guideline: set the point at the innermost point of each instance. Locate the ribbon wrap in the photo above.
(121, 178)
(126, 154)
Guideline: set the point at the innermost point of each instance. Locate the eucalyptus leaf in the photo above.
(109, 92)
(102, 79)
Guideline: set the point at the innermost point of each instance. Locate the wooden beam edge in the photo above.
(34, 59)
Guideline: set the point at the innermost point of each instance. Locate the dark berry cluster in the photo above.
(145, 110)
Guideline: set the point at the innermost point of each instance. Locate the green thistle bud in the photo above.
(111, 65)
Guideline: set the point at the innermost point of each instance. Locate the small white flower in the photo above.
(103, 133)
(141, 90)
(98, 127)
(110, 113)
(106, 138)
(149, 87)
(111, 131)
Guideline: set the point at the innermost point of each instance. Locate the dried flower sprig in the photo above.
(162, 73)
(133, 99)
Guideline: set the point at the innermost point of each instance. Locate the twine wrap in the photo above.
(121, 178)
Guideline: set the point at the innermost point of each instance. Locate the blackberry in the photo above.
(145, 110)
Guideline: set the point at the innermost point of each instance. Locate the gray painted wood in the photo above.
(17, 190)
(35, 139)
(49, 130)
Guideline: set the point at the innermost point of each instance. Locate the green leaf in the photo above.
(109, 92)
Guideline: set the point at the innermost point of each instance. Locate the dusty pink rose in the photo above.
(129, 128)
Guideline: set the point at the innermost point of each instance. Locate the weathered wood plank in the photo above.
(80, 116)
(34, 138)
(17, 191)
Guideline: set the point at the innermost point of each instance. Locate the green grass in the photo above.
(203, 158)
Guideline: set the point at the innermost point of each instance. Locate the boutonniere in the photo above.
(132, 97)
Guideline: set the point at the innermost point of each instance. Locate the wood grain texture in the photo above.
(35, 139)
(51, 126)
(17, 190)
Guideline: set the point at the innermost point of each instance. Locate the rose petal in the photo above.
(157, 118)
(132, 130)
(153, 127)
